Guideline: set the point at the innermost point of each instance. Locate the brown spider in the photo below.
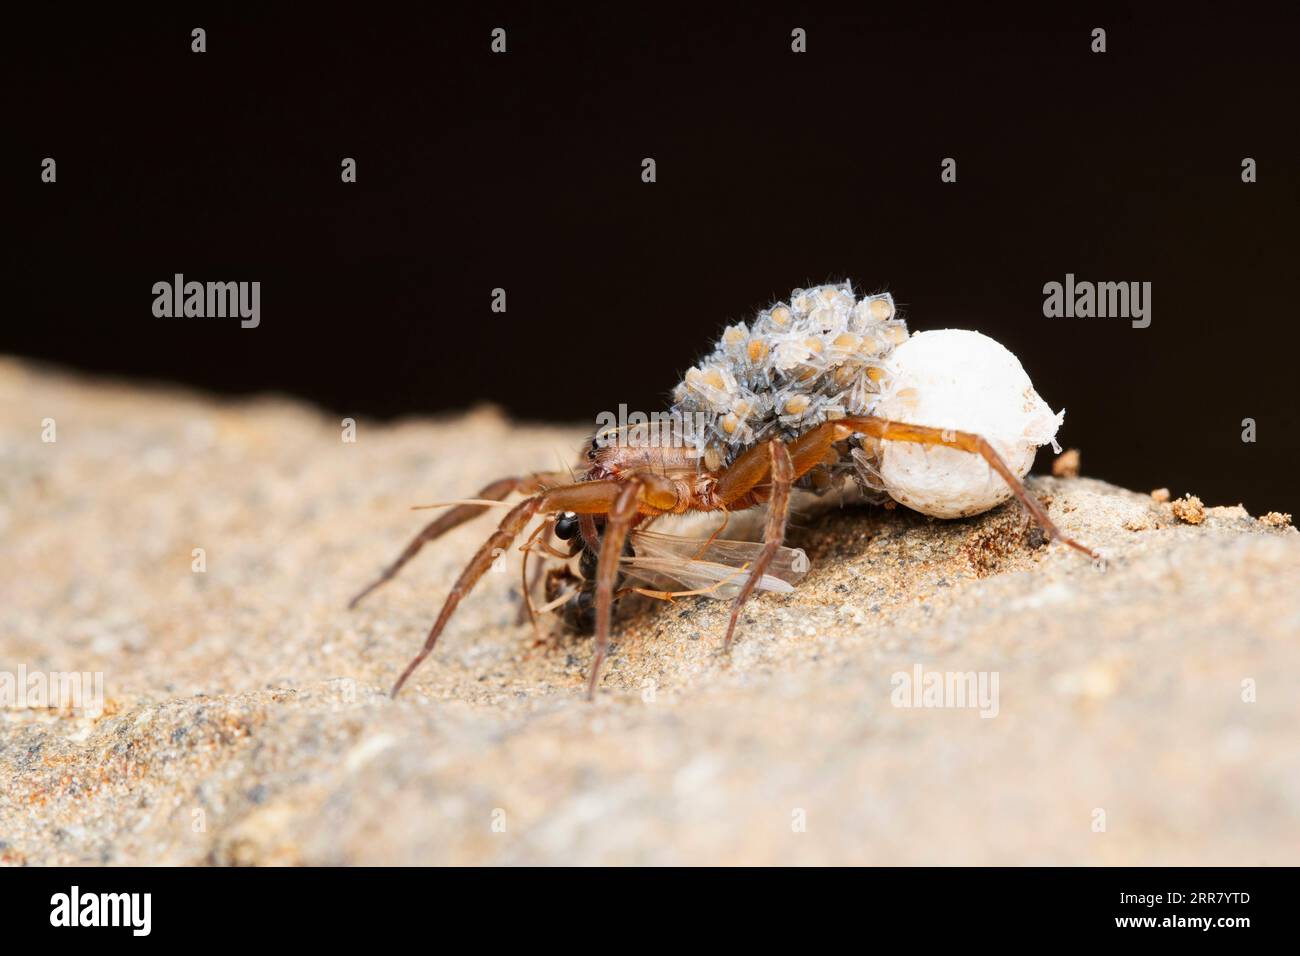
(778, 415)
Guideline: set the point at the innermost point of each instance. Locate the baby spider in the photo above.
(817, 390)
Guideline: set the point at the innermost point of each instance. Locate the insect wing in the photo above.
(719, 568)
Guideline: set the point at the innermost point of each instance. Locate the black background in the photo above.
(775, 170)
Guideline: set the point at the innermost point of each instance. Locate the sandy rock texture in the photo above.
(1145, 714)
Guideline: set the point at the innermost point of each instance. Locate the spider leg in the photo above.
(717, 533)
(457, 516)
(510, 526)
(541, 544)
(671, 596)
(617, 523)
(766, 473)
(782, 472)
(526, 610)
(738, 486)
(974, 444)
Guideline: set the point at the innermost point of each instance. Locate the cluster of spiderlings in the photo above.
(818, 357)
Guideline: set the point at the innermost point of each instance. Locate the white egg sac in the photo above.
(963, 381)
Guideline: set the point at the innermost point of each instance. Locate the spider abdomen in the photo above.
(798, 364)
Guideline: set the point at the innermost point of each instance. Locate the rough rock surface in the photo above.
(1146, 714)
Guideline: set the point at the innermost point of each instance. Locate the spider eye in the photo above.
(567, 526)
